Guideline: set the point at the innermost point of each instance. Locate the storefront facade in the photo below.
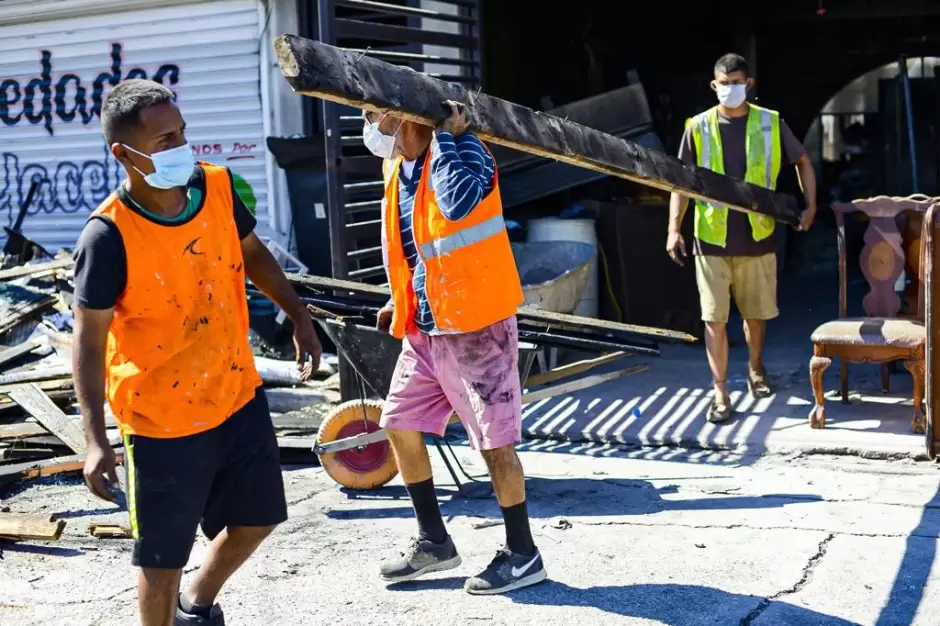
(58, 60)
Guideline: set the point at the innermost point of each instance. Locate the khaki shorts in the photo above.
(752, 280)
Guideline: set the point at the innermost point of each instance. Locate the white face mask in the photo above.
(378, 143)
(172, 168)
(732, 96)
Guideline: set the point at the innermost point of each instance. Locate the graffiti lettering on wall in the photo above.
(69, 99)
(73, 186)
(238, 151)
(70, 187)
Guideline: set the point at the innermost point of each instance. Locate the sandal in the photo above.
(758, 387)
(719, 411)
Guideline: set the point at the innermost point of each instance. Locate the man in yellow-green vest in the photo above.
(735, 252)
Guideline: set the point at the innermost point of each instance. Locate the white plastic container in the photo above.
(558, 229)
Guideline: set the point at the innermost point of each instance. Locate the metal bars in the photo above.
(437, 37)
(440, 38)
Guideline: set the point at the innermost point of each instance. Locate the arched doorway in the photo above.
(859, 140)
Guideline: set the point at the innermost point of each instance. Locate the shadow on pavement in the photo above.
(670, 604)
(552, 497)
(29, 548)
(911, 580)
(665, 407)
(673, 604)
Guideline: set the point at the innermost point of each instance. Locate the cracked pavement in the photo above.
(627, 537)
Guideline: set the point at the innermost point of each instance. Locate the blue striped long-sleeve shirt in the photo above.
(462, 173)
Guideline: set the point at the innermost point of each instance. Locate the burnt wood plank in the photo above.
(323, 71)
(31, 270)
(46, 467)
(43, 374)
(110, 531)
(525, 314)
(59, 390)
(11, 354)
(30, 527)
(35, 402)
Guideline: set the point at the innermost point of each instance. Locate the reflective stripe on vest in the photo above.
(471, 279)
(763, 167)
(466, 237)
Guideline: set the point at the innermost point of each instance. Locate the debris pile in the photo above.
(41, 431)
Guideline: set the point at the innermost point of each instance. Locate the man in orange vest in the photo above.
(455, 291)
(161, 321)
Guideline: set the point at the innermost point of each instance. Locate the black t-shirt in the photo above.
(100, 257)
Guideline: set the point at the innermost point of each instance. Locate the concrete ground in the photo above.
(700, 538)
(645, 514)
(666, 405)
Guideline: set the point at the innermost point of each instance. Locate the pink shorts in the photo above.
(475, 375)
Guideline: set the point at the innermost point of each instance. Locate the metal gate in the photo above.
(438, 37)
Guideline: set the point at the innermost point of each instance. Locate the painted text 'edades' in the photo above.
(68, 99)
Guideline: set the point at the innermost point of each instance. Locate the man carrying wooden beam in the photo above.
(735, 253)
(455, 291)
(161, 315)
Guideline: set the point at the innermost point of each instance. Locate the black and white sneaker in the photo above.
(421, 557)
(506, 572)
(215, 618)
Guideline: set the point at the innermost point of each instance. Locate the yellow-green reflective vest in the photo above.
(762, 147)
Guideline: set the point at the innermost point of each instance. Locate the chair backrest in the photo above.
(885, 252)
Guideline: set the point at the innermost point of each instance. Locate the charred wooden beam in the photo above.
(323, 71)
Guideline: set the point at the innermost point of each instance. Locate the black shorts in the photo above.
(227, 476)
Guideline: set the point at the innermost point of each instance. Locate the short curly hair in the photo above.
(120, 112)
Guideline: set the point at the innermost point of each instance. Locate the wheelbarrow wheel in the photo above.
(369, 468)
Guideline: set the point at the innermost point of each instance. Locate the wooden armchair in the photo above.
(882, 336)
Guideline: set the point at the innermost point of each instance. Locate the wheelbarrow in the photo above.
(553, 273)
(351, 445)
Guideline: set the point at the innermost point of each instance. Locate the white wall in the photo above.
(284, 110)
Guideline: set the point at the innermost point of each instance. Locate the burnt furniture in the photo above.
(883, 335)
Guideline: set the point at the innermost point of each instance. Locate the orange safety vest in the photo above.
(178, 359)
(471, 276)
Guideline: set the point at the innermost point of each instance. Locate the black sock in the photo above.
(518, 533)
(194, 609)
(427, 510)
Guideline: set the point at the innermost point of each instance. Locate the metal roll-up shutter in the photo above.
(54, 74)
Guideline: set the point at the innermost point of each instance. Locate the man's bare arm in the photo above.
(807, 177)
(678, 204)
(263, 270)
(88, 370)
(675, 245)
(88, 366)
